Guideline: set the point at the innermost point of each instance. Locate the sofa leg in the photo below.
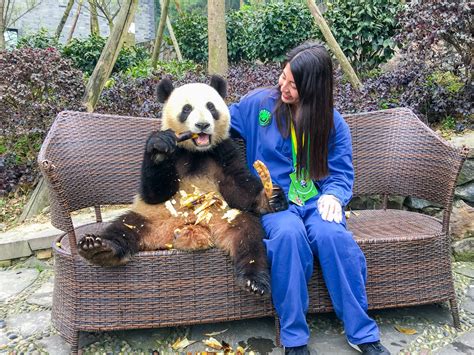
(455, 312)
(75, 344)
(277, 331)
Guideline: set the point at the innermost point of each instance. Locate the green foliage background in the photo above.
(363, 28)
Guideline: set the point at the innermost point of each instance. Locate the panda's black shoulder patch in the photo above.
(164, 90)
(218, 83)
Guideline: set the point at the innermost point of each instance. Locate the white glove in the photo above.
(330, 208)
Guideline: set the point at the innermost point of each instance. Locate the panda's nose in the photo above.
(202, 125)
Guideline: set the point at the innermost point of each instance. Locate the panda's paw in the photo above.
(278, 201)
(98, 251)
(161, 143)
(256, 282)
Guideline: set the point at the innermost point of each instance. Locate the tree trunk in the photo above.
(217, 37)
(159, 35)
(332, 43)
(2, 25)
(94, 19)
(109, 55)
(64, 18)
(74, 22)
(178, 7)
(173, 39)
(242, 3)
(37, 202)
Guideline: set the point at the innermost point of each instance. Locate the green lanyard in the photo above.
(301, 189)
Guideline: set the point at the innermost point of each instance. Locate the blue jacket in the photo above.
(266, 143)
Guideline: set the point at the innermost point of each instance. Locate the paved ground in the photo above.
(25, 324)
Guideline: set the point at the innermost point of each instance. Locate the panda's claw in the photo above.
(255, 282)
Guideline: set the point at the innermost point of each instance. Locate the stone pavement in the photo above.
(25, 324)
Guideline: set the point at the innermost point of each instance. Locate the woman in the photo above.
(306, 144)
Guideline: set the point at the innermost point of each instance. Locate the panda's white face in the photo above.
(200, 109)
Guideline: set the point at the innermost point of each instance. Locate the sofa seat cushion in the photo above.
(392, 225)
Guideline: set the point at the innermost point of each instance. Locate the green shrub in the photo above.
(364, 29)
(448, 123)
(280, 27)
(451, 83)
(241, 35)
(41, 39)
(85, 54)
(191, 32)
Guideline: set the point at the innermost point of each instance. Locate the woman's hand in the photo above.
(330, 208)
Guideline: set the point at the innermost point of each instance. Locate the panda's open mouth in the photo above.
(202, 140)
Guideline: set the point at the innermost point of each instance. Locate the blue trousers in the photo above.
(294, 238)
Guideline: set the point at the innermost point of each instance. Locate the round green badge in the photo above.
(264, 118)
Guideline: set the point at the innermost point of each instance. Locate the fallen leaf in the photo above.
(182, 343)
(215, 333)
(129, 226)
(240, 351)
(408, 331)
(213, 343)
(169, 246)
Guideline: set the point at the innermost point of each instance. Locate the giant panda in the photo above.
(209, 163)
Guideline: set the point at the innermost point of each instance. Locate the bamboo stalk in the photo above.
(159, 35)
(333, 45)
(74, 22)
(109, 55)
(173, 39)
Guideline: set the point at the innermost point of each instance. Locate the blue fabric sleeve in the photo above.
(341, 172)
(238, 120)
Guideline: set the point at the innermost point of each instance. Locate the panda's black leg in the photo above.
(116, 244)
(101, 251)
(248, 253)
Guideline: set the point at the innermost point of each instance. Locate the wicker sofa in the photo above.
(93, 160)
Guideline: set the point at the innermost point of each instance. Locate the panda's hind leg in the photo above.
(116, 244)
(243, 240)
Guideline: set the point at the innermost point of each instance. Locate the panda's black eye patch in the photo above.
(212, 109)
(185, 111)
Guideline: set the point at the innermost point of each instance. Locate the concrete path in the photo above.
(25, 324)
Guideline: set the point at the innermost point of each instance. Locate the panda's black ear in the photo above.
(219, 83)
(164, 90)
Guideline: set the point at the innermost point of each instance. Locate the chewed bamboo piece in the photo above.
(264, 175)
(185, 136)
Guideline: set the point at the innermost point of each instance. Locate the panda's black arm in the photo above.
(159, 180)
(239, 187)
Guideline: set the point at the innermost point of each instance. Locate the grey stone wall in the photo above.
(49, 12)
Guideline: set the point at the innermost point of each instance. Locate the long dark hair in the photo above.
(311, 66)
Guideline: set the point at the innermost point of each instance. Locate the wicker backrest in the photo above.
(397, 154)
(96, 158)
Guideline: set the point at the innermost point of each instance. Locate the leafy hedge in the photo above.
(264, 33)
(85, 54)
(37, 84)
(363, 29)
